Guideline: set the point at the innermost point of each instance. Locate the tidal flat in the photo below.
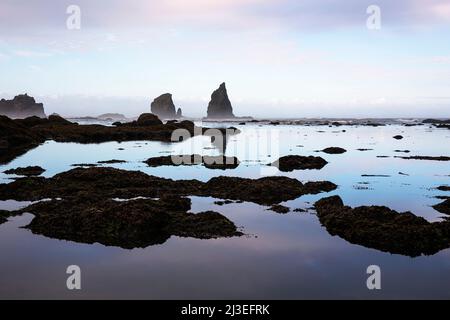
(255, 252)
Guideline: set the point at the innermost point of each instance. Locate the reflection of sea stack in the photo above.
(163, 106)
(22, 106)
(220, 106)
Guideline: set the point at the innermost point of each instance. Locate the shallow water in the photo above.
(282, 256)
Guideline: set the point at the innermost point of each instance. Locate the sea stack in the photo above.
(22, 106)
(220, 106)
(163, 106)
(179, 113)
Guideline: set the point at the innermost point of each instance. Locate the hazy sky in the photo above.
(282, 58)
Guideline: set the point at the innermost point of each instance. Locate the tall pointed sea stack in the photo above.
(163, 106)
(220, 106)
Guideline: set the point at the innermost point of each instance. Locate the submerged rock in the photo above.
(163, 106)
(398, 137)
(220, 106)
(443, 188)
(22, 106)
(291, 163)
(382, 228)
(27, 171)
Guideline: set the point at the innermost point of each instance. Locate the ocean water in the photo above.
(281, 256)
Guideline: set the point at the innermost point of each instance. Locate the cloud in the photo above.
(31, 54)
(41, 15)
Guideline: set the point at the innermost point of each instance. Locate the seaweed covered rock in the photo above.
(443, 207)
(148, 119)
(291, 163)
(127, 224)
(27, 171)
(383, 229)
(334, 150)
(210, 162)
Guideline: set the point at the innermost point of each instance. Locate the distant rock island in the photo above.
(112, 117)
(22, 106)
(164, 107)
(220, 106)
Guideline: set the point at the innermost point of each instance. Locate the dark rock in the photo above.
(220, 162)
(376, 175)
(16, 139)
(402, 151)
(57, 119)
(113, 161)
(83, 208)
(440, 158)
(106, 182)
(398, 137)
(362, 149)
(148, 119)
(220, 106)
(27, 171)
(127, 224)
(443, 207)
(334, 150)
(210, 162)
(291, 163)
(443, 188)
(383, 229)
(163, 107)
(279, 208)
(436, 121)
(221, 203)
(84, 165)
(179, 113)
(22, 106)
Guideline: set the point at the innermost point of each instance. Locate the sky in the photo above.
(279, 58)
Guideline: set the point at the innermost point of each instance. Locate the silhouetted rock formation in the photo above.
(112, 117)
(22, 106)
(220, 106)
(163, 106)
(179, 113)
